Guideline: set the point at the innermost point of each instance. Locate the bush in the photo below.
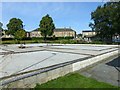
(36, 41)
(37, 38)
(60, 38)
(5, 39)
(27, 38)
(97, 42)
(68, 42)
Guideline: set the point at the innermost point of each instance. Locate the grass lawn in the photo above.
(74, 80)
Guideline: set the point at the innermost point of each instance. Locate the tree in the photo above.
(14, 25)
(46, 26)
(20, 34)
(1, 30)
(106, 20)
(1, 26)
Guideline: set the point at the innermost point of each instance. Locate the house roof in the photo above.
(35, 30)
(63, 29)
(88, 31)
(89, 36)
(58, 29)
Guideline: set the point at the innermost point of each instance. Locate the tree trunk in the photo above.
(45, 38)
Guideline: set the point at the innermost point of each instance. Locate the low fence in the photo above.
(29, 80)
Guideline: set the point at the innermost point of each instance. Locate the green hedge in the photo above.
(62, 41)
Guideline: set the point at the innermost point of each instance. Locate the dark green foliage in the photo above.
(37, 38)
(1, 26)
(79, 35)
(20, 34)
(46, 26)
(5, 39)
(68, 42)
(61, 41)
(27, 38)
(15, 28)
(14, 25)
(60, 38)
(106, 20)
(1, 29)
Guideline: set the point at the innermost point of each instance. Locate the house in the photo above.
(64, 32)
(58, 32)
(7, 36)
(4, 35)
(35, 33)
(88, 35)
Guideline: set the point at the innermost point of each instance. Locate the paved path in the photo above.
(107, 71)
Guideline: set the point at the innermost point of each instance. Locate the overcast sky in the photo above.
(76, 15)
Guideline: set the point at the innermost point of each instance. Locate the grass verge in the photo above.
(74, 80)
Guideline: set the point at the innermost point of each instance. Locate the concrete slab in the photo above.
(80, 51)
(83, 47)
(15, 63)
(42, 55)
(107, 71)
(2, 51)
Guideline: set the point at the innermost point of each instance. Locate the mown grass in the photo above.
(74, 80)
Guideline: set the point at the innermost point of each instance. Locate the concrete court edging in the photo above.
(30, 82)
(90, 61)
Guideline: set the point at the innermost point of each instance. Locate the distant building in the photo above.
(58, 32)
(64, 32)
(27, 34)
(7, 36)
(116, 38)
(88, 35)
(35, 33)
(4, 35)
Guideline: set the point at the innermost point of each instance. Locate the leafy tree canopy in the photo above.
(106, 20)
(14, 25)
(20, 34)
(1, 26)
(46, 26)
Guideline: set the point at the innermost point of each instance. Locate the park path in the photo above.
(107, 71)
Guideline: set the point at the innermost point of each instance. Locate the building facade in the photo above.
(64, 32)
(58, 32)
(35, 33)
(88, 35)
(4, 35)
